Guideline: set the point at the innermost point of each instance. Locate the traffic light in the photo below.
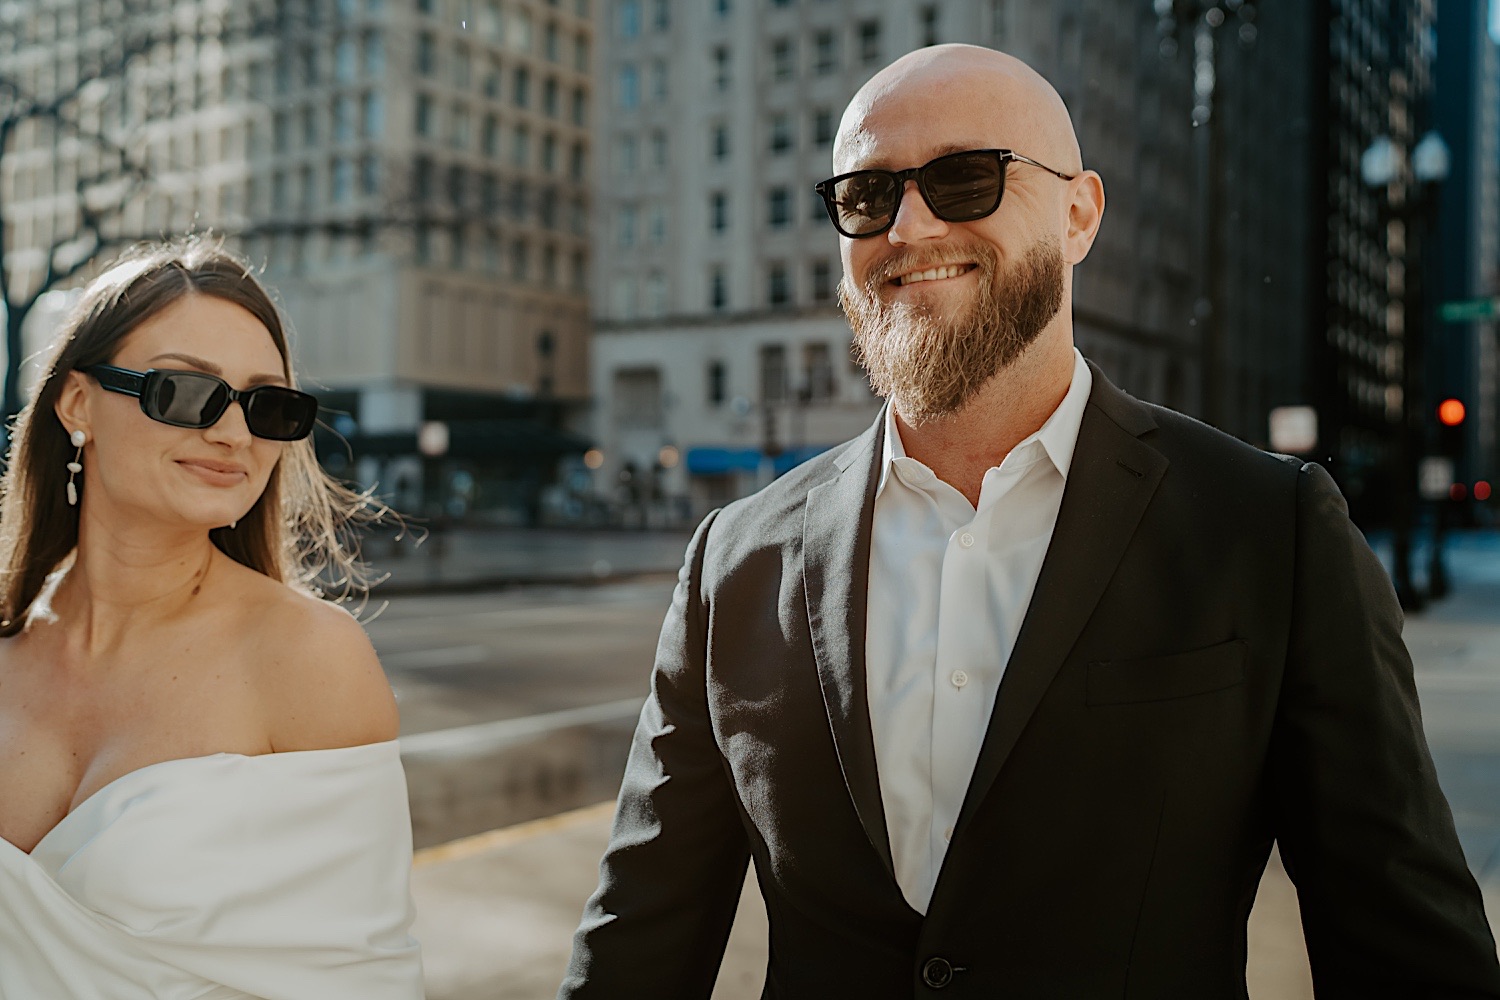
(1450, 437)
(1451, 412)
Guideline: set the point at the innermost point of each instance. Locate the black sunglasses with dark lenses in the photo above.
(197, 399)
(959, 187)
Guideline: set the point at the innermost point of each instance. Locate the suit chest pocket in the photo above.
(1161, 678)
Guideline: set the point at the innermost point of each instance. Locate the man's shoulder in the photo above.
(786, 495)
(1205, 449)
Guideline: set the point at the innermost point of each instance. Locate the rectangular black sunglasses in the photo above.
(958, 187)
(198, 400)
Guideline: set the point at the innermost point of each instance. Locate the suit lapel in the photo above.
(1110, 482)
(836, 567)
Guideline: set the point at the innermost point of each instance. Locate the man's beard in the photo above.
(932, 365)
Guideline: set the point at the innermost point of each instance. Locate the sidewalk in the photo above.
(497, 911)
(458, 559)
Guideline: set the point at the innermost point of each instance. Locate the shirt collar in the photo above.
(1058, 434)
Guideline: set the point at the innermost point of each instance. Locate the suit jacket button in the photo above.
(937, 973)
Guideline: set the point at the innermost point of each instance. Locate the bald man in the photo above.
(1010, 695)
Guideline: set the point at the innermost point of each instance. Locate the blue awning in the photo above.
(711, 461)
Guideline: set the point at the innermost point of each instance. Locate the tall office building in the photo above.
(719, 354)
(1464, 362)
(413, 173)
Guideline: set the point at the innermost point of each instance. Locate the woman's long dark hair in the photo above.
(302, 529)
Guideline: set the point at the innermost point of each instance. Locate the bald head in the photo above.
(987, 98)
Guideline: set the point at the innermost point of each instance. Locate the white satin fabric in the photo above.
(276, 877)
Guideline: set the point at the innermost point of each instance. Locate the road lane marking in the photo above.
(508, 836)
(421, 659)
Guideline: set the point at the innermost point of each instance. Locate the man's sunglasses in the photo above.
(959, 187)
(196, 399)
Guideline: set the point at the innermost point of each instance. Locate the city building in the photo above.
(412, 173)
(1463, 362)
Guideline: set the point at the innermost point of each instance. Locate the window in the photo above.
(822, 281)
(817, 370)
(551, 45)
(281, 130)
(458, 186)
(424, 115)
(309, 127)
(625, 226)
(772, 373)
(491, 83)
(549, 153)
(638, 398)
(520, 260)
(825, 52)
(629, 18)
(627, 154)
(718, 289)
(869, 42)
(661, 14)
(580, 107)
(721, 67)
(372, 115)
(458, 132)
(581, 53)
(781, 133)
(721, 7)
(718, 379)
(928, 24)
(422, 179)
(343, 118)
(999, 22)
(718, 212)
(656, 230)
(489, 136)
(628, 88)
(520, 147)
(720, 145)
(656, 294)
(578, 163)
(779, 207)
(342, 187)
(658, 150)
(520, 91)
(550, 101)
(489, 194)
(824, 126)
(783, 59)
(369, 174)
(463, 68)
(778, 285)
(345, 60)
(659, 81)
(426, 54)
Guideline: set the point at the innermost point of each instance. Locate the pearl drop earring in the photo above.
(76, 466)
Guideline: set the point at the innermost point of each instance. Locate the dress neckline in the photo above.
(157, 765)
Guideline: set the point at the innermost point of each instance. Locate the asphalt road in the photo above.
(460, 659)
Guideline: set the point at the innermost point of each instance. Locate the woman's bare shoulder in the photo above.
(320, 682)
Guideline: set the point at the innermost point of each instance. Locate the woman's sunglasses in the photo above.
(959, 187)
(196, 399)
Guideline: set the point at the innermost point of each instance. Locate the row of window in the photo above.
(459, 135)
(488, 16)
(469, 191)
(461, 57)
(457, 248)
(779, 209)
(632, 16)
(632, 297)
(635, 85)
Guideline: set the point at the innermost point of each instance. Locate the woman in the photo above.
(201, 794)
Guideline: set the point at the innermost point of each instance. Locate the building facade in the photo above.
(413, 174)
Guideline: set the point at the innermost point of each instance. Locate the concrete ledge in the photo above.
(472, 779)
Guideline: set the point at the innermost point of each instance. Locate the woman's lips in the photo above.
(214, 473)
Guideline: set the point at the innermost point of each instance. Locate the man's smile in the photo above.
(941, 273)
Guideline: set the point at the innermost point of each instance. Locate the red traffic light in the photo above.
(1481, 490)
(1450, 412)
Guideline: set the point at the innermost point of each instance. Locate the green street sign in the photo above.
(1467, 310)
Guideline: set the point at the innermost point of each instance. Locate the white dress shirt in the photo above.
(949, 587)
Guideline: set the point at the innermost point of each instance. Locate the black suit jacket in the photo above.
(1212, 660)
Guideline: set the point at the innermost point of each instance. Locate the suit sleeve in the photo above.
(670, 880)
(1388, 905)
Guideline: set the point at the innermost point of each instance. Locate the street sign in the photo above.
(1468, 310)
(1435, 477)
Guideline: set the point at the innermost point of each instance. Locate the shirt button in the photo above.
(966, 540)
(959, 678)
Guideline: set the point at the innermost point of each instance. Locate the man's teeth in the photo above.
(933, 274)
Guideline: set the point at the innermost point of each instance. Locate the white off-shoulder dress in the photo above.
(279, 877)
